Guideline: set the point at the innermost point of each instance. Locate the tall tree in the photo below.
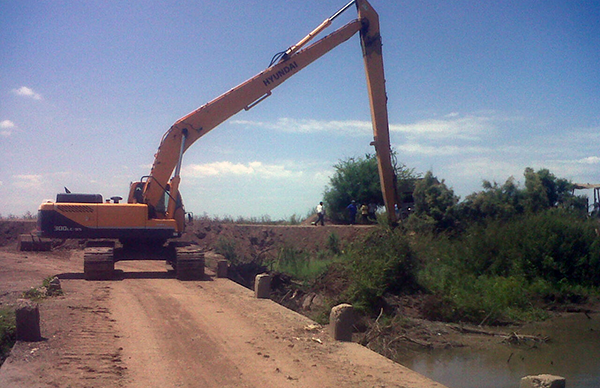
(553, 191)
(494, 201)
(542, 191)
(435, 204)
(357, 179)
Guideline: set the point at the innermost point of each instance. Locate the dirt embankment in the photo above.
(10, 230)
(252, 241)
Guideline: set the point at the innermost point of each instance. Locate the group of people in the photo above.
(367, 213)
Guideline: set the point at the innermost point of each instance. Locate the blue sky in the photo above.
(476, 90)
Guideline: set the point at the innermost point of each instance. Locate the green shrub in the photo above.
(227, 248)
(555, 245)
(501, 270)
(295, 219)
(8, 332)
(380, 263)
(34, 293)
(300, 265)
(463, 296)
(333, 244)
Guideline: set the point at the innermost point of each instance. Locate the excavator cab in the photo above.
(136, 192)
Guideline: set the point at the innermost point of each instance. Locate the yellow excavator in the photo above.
(154, 212)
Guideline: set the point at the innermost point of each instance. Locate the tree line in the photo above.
(435, 206)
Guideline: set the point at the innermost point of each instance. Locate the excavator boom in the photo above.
(246, 95)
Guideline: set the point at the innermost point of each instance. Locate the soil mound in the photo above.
(11, 229)
(256, 241)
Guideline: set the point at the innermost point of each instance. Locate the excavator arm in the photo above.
(160, 185)
(370, 40)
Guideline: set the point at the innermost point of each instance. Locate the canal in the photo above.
(573, 352)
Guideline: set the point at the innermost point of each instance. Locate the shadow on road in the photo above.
(122, 275)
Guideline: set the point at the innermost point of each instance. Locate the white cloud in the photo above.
(469, 127)
(352, 127)
(576, 172)
(27, 92)
(442, 150)
(466, 175)
(452, 125)
(228, 168)
(590, 160)
(6, 124)
(575, 137)
(28, 181)
(487, 168)
(5, 128)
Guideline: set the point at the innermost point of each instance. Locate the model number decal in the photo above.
(62, 228)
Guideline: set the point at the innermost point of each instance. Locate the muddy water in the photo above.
(573, 352)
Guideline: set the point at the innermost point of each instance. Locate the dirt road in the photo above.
(150, 330)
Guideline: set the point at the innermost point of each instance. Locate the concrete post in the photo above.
(222, 267)
(28, 321)
(262, 286)
(341, 321)
(543, 381)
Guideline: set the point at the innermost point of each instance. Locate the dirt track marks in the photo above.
(92, 353)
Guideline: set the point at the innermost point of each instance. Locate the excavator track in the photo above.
(189, 263)
(31, 242)
(98, 263)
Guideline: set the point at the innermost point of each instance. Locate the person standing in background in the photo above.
(320, 214)
(352, 210)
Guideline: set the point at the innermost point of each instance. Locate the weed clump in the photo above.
(50, 287)
(381, 263)
(227, 248)
(508, 270)
(8, 332)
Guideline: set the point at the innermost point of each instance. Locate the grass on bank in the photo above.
(8, 328)
(8, 332)
(500, 272)
(300, 265)
(510, 270)
(306, 267)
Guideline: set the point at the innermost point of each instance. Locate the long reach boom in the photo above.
(199, 122)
